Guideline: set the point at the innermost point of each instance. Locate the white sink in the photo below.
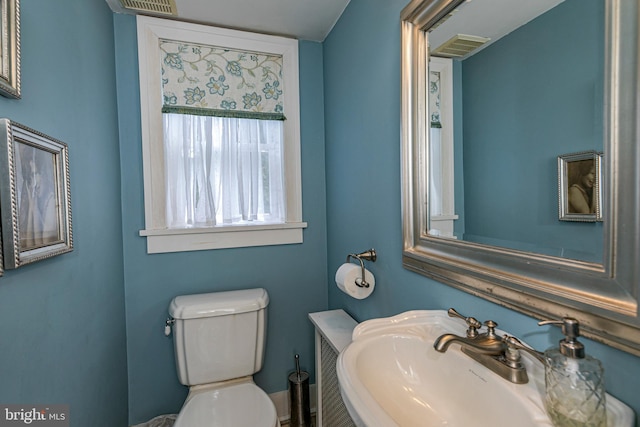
(390, 375)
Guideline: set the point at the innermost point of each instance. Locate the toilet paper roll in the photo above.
(346, 280)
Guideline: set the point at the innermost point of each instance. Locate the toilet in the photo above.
(219, 341)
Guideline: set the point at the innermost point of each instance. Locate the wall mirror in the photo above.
(495, 98)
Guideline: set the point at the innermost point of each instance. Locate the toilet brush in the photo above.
(299, 397)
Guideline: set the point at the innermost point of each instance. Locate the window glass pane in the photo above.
(222, 171)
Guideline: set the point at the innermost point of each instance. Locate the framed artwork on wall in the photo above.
(35, 195)
(580, 186)
(10, 48)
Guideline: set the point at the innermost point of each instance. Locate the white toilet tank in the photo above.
(219, 336)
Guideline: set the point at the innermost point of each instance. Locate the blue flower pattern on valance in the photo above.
(211, 80)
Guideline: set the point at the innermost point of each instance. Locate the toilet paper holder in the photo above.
(369, 255)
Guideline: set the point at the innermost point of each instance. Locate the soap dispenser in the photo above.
(575, 394)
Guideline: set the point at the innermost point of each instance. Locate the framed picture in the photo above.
(35, 199)
(580, 186)
(10, 48)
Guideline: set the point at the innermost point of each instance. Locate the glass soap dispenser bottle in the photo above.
(575, 393)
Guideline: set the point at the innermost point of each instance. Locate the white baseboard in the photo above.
(281, 401)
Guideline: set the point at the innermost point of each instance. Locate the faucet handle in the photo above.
(472, 323)
(514, 344)
(491, 327)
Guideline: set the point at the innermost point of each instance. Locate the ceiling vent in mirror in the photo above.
(164, 7)
(459, 45)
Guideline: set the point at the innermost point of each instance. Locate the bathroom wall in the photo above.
(531, 96)
(294, 275)
(63, 333)
(362, 131)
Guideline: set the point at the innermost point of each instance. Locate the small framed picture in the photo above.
(10, 48)
(35, 195)
(580, 186)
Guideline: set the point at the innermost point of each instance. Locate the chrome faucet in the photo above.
(488, 343)
(499, 353)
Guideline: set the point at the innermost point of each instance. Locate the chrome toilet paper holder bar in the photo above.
(369, 255)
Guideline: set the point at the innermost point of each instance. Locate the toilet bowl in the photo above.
(219, 341)
(241, 403)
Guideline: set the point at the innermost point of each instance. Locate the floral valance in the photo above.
(216, 81)
(434, 99)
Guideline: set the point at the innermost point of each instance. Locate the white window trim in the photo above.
(443, 224)
(161, 239)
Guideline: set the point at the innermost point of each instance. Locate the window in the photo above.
(220, 137)
(441, 178)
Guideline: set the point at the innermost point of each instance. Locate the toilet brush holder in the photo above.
(299, 397)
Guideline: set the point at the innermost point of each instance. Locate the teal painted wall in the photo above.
(362, 129)
(63, 333)
(528, 98)
(294, 275)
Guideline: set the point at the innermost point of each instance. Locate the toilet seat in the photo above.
(237, 405)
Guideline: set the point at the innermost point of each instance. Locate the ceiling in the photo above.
(301, 19)
(492, 19)
(314, 19)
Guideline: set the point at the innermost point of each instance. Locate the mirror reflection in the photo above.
(507, 100)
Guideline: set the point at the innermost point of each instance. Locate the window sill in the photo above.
(442, 225)
(198, 239)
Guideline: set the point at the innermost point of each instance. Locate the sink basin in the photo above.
(390, 375)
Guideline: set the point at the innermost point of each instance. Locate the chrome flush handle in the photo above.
(167, 326)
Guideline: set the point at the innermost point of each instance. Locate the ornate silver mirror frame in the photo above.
(10, 48)
(604, 297)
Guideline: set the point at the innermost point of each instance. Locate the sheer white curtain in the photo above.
(222, 171)
(435, 175)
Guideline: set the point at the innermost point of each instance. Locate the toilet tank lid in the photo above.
(218, 303)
